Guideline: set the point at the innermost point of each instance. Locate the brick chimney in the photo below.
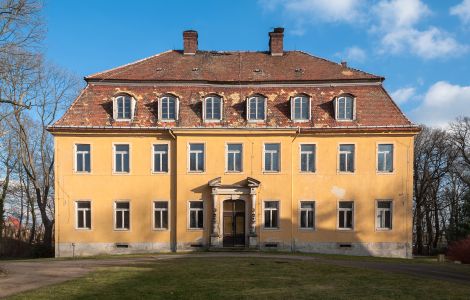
(190, 42)
(276, 41)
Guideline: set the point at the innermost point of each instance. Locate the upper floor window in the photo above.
(212, 108)
(234, 157)
(256, 108)
(385, 158)
(345, 108)
(82, 158)
(300, 108)
(160, 158)
(346, 158)
(271, 157)
(196, 157)
(168, 108)
(123, 108)
(307, 157)
(121, 158)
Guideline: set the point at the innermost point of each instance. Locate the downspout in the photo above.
(173, 233)
(292, 242)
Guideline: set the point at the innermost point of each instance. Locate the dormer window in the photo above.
(345, 108)
(300, 108)
(256, 108)
(212, 110)
(168, 108)
(123, 108)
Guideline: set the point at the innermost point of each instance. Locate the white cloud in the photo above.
(403, 95)
(443, 102)
(400, 13)
(462, 11)
(354, 54)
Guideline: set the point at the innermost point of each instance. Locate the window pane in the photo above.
(384, 204)
(196, 147)
(83, 204)
(171, 108)
(119, 219)
(165, 219)
(88, 218)
(267, 161)
(192, 219)
(157, 219)
(275, 218)
(126, 162)
(127, 107)
(381, 162)
(267, 218)
(216, 110)
(271, 204)
(80, 219)
(305, 108)
(122, 205)
(192, 161)
(349, 219)
(346, 204)
(310, 219)
(122, 148)
(162, 205)
(200, 221)
(230, 162)
(83, 147)
(350, 163)
(273, 147)
(341, 219)
(342, 162)
(307, 205)
(119, 163)
(275, 166)
(341, 108)
(349, 103)
(196, 204)
(388, 219)
(346, 148)
(126, 219)
(252, 108)
(303, 219)
(260, 115)
(80, 162)
(200, 162)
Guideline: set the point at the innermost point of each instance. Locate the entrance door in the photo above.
(234, 223)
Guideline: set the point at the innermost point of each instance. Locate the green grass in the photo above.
(246, 278)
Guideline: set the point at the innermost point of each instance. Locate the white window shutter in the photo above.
(335, 107)
(292, 107)
(133, 107)
(310, 108)
(247, 108)
(159, 108)
(115, 108)
(204, 100)
(354, 108)
(265, 109)
(221, 108)
(177, 108)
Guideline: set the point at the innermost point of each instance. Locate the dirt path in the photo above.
(31, 274)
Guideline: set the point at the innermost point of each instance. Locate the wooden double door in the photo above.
(234, 223)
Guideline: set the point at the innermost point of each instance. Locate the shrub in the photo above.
(460, 250)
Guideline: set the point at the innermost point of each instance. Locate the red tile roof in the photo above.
(234, 76)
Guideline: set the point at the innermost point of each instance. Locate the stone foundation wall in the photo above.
(90, 249)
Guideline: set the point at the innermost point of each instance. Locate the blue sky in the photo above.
(421, 47)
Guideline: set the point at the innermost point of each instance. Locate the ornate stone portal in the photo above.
(246, 192)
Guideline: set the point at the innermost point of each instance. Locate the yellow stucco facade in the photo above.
(141, 187)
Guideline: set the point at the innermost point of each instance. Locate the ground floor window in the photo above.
(345, 215)
(160, 213)
(271, 214)
(307, 214)
(196, 215)
(83, 214)
(384, 215)
(122, 217)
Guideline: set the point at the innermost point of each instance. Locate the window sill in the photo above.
(82, 173)
(160, 229)
(213, 121)
(307, 173)
(256, 121)
(196, 172)
(83, 229)
(307, 229)
(195, 229)
(234, 172)
(122, 230)
(271, 172)
(345, 229)
(385, 173)
(272, 229)
(160, 173)
(300, 120)
(345, 173)
(383, 229)
(121, 173)
(123, 120)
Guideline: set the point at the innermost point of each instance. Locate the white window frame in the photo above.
(377, 158)
(339, 158)
(271, 209)
(271, 151)
(227, 153)
(196, 151)
(314, 161)
(196, 209)
(83, 209)
(248, 109)
(160, 104)
(353, 209)
(377, 209)
(204, 113)
(114, 159)
(75, 153)
(292, 108)
(314, 215)
(123, 210)
(336, 107)
(152, 167)
(161, 210)
(133, 105)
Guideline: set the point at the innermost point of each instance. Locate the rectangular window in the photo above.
(271, 157)
(196, 157)
(307, 214)
(122, 217)
(196, 215)
(307, 158)
(346, 215)
(82, 158)
(160, 158)
(121, 158)
(385, 158)
(234, 157)
(83, 214)
(160, 215)
(271, 214)
(346, 158)
(384, 215)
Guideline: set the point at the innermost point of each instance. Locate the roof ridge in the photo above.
(129, 64)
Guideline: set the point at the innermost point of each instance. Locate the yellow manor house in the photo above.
(190, 150)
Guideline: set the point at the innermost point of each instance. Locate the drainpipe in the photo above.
(292, 242)
(173, 242)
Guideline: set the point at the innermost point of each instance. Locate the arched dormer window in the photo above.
(300, 108)
(168, 108)
(123, 107)
(212, 108)
(345, 108)
(256, 108)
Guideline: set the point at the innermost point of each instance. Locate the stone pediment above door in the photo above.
(247, 187)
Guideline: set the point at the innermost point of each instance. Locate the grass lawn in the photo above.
(253, 278)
